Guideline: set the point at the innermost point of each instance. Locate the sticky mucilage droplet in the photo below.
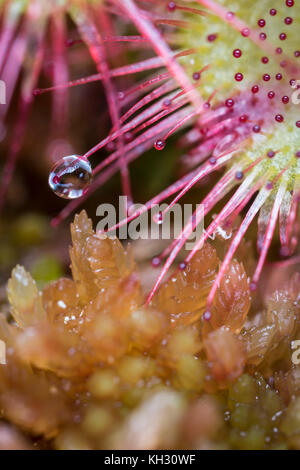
(70, 177)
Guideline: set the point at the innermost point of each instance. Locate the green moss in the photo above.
(30, 229)
(46, 269)
(253, 439)
(240, 417)
(243, 391)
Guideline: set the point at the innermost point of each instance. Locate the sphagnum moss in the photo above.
(228, 79)
(90, 367)
(230, 85)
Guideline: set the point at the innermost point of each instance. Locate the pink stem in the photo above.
(10, 23)
(60, 73)
(231, 205)
(148, 135)
(204, 171)
(175, 187)
(20, 127)
(97, 50)
(148, 64)
(145, 115)
(157, 93)
(183, 237)
(12, 67)
(103, 177)
(254, 209)
(287, 225)
(148, 31)
(269, 233)
(218, 192)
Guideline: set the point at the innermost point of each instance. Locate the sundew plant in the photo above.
(172, 102)
(224, 74)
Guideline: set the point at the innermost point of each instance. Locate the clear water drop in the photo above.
(70, 177)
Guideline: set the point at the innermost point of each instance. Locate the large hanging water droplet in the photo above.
(70, 177)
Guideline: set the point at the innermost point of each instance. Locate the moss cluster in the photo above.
(89, 367)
